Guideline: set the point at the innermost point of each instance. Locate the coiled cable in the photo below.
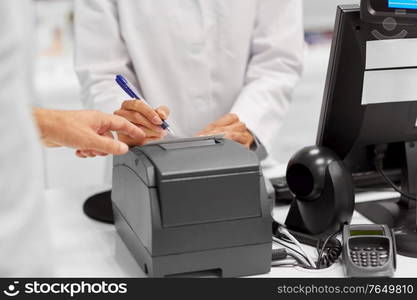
(328, 250)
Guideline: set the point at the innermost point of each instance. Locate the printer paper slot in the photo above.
(183, 143)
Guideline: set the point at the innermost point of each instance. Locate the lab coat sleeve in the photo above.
(24, 235)
(274, 68)
(100, 54)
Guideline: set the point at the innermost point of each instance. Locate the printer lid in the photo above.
(199, 157)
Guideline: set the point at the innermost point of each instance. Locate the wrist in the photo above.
(258, 147)
(44, 119)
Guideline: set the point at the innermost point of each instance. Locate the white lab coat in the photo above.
(201, 58)
(24, 241)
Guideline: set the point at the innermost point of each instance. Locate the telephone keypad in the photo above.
(369, 257)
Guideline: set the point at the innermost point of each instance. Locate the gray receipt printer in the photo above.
(193, 206)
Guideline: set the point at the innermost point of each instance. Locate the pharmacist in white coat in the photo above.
(219, 66)
(25, 248)
(24, 238)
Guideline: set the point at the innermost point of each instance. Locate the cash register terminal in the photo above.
(369, 111)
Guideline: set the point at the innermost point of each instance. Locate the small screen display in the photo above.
(403, 4)
(366, 232)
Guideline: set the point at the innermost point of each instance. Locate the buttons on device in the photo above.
(369, 251)
(371, 257)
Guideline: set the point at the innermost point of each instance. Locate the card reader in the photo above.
(369, 251)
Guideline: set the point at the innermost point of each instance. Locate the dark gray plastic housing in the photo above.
(193, 206)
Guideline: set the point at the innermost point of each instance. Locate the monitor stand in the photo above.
(399, 213)
(396, 215)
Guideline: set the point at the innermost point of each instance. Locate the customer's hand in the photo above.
(90, 132)
(145, 117)
(232, 128)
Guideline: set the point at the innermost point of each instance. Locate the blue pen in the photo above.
(124, 84)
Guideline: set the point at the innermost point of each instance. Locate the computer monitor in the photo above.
(370, 106)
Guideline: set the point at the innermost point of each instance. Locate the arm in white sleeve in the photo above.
(100, 54)
(274, 68)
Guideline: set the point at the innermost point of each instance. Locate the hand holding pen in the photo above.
(151, 121)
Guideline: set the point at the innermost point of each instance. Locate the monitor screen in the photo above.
(404, 4)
